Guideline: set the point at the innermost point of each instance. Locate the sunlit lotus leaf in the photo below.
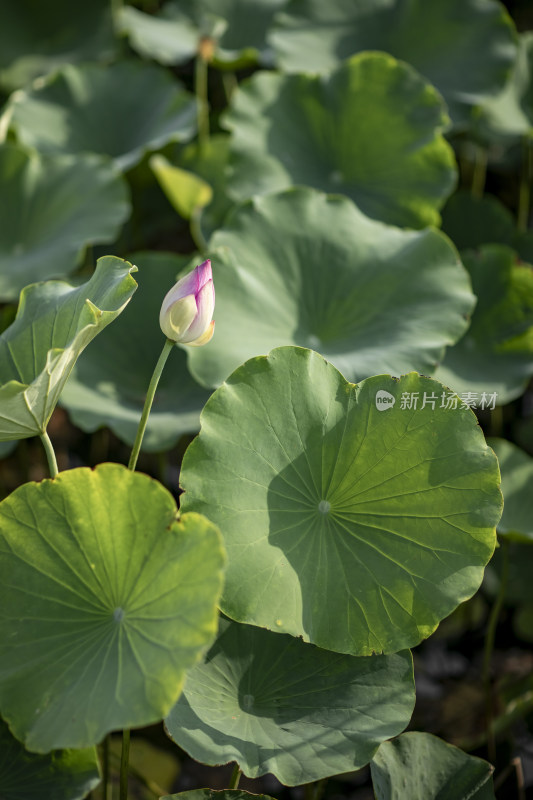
(170, 37)
(423, 767)
(237, 28)
(300, 129)
(517, 478)
(108, 600)
(36, 37)
(509, 116)
(274, 704)
(51, 209)
(132, 108)
(55, 322)
(307, 269)
(464, 47)
(354, 516)
(495, 356)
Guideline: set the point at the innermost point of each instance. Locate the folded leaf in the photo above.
(54, 322)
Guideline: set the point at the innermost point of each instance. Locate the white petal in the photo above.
(205, 338)
(205, 302)
(176, 319)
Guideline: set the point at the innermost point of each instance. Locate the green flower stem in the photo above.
(489, 647)
(165, 352)
(50, 455)
(202, 106)
(235, 777)
(148, 784)
(123, 794)
(167, 347)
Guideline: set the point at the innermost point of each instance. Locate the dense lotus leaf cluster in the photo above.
(329, 160)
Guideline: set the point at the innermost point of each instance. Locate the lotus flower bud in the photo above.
(187, 310)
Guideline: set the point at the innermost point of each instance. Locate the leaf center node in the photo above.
(324, 506)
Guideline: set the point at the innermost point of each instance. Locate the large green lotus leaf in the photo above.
(237, 27)
(36, 37)
(313, 36)
(350, 519)
(108, 601)
(420, 766)
(304, 268)
(495, 356)
(61, 775)
(52, 208)
(108, 383)
(54, 322)
(275, 704)
(169, 37)
(121, 111)
(509, 116)
(370, 130)
(517, 478)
